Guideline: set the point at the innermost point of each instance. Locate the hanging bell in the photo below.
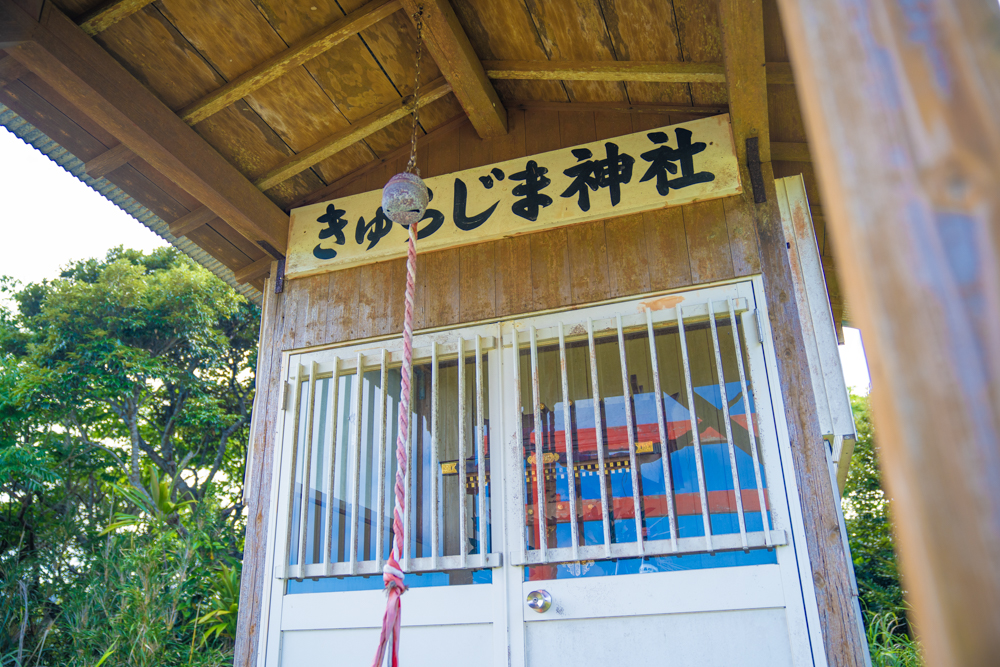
(405, 198)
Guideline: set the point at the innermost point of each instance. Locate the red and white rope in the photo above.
(392, 573)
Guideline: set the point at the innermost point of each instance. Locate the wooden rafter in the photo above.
(16, 26)
(790, 151)
(108, 161)
(93, 81)
(186, 224)
(623, 70)
(337, 142)
(742, 28)
(779, 73)
(452, 51)
(300, 53)
(328, 191)
(10, 71)
(106, 16)
(573, 70)
(616, 107)
(253, 270)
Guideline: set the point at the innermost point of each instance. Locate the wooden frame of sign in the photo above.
(669, 166)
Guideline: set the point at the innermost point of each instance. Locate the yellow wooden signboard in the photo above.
(670, 166)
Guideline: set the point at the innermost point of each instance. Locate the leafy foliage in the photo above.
(226, 601)
(890, 646)
(867, 514)
(125, 394)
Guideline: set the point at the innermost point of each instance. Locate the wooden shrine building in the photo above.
(629, 427)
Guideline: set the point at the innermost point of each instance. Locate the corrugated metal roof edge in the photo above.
(37, 139)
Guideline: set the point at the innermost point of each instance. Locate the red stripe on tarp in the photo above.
(686, 504)
(617, 436)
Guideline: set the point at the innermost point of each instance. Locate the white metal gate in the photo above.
(619, 465)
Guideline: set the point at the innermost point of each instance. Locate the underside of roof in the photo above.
(214, 119)
(38, 140)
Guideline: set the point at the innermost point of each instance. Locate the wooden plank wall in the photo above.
(665, 249)
(671, 248)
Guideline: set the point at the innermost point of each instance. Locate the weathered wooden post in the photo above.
(900, 101)
(742, 27)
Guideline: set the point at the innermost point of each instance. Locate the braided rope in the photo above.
(392, 573)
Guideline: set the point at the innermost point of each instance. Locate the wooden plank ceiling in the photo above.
(298, 95)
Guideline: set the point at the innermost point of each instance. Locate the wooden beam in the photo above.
(349, 135)
(568, 70)
(93, 81)
(300, 53)
(186, 224)
(782, 151)
(253, 270)
(16, 26)
(779, 74)
(10, 71)
(452, 51)
(108, 161)
(899, 102)
(619, 107)
(107, 15)
(328, 191)
(742, 27)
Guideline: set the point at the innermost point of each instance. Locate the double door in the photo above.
(585, 486)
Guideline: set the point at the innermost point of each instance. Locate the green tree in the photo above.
(868, 516)
(125, 393)
(869, 524)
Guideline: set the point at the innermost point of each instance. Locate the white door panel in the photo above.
(422, 646)
(750, 587)
(749, 638)
(360, 609)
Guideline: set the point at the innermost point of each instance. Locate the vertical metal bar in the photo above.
(306, 470)
(729, 427)
(408, 532)
(355, 458)
(297, 403)
(519, 431)
(435, 457)
(599, 432)
(568, 441)
(503, 635)
(380, 511)
(699, 465)
(480, 451)
(463, 544)
(328, 519)
(750, 426)
(630, 428)
(543, 529)
(661, 422)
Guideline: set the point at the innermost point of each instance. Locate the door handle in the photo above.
(540, 601)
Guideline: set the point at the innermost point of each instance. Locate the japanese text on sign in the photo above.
(669, 166)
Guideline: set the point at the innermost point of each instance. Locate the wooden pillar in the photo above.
(900, 101)
(742, 24)
(259, 475)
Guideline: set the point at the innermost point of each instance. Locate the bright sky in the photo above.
(49, 219)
